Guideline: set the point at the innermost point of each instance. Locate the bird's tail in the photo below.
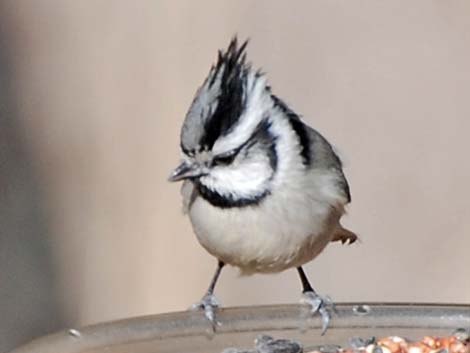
(344, 236)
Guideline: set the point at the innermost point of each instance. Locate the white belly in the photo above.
(280, 233)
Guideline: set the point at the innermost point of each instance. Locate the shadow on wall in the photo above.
(28, 299)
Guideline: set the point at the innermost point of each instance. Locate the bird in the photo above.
(263, 190)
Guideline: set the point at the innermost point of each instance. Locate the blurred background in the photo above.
(92, 97)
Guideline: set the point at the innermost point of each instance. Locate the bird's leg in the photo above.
(316, 302)
(209, 302)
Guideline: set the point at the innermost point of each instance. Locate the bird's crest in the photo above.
(220, 101)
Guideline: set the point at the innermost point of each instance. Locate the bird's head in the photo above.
(229, 136)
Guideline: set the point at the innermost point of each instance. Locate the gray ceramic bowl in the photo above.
(190, 332)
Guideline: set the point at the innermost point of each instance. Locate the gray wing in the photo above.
(316, 151)
(322, 155)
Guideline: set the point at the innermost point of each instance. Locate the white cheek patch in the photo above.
(244, 180)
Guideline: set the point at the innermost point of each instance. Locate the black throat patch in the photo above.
(223, 201)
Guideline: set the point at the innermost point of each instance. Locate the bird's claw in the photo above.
(322, 305)
(209, 304)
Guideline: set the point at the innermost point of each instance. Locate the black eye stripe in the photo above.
(225, 158)
(260, 134)
(229, 201)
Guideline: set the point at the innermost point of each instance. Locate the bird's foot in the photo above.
(209, 304)
(323, 305)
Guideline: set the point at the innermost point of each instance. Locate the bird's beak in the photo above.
(185, 170)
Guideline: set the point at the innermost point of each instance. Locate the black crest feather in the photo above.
(233, 70)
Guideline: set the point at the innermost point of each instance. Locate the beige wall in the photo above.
(102, 87)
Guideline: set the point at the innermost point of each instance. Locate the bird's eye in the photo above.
(224, 159)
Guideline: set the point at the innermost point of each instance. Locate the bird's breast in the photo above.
(287, 229)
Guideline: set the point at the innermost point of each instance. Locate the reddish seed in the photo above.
(428, 344)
